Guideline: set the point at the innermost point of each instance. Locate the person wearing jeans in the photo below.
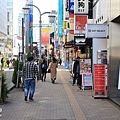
(30, 72)
(29, 85)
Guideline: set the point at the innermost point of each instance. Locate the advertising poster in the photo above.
(99, 80)
(46, 35)
(85, 66)
(87, 79)
(80, 22)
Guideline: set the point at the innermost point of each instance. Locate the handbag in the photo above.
(48, 71)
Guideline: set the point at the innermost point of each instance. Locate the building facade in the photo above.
(108, 12)
(3, 25)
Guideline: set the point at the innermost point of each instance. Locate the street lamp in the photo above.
(52, 21)
(26, 12)
(40, 14)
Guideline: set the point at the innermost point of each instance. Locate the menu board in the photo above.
(85, 66)
(99, 80)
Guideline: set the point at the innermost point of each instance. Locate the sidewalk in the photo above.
(59, 101)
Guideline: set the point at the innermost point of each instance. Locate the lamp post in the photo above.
(26, 12)
(40, 35)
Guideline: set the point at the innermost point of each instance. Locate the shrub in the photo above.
(4, 90)
(14, 77)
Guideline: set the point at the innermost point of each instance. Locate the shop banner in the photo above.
(46, 35)
(80, 22)
(71, 23)
(71, 6)
(99, 81)
(80, 7)
(96, 31)
(60, 18)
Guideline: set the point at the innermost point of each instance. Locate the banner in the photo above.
(60, 18)
(71, 23)
(52, 38)
(71, 6)
(80, 22)
(45, 35)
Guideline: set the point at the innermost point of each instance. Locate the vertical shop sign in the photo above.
(60, 18)
(71, 6)
(80, 22)
(99, 80)
(80, 6)
(71, 23)
(31, 23)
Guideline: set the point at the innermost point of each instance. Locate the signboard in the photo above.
(60, 18)
(85, 66)
(80, 22)
(96, 31)
(99, 81)
(80, 6)
(87, 79)
(71, 6)
(71, 23)
(79, 40)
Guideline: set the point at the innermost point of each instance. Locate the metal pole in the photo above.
(39, 28)
(23, 35)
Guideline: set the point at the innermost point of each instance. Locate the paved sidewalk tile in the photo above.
(59, 101)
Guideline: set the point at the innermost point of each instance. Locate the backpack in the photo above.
(44, 66)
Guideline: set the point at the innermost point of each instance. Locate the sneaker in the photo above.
(31, 100)
(25, 98)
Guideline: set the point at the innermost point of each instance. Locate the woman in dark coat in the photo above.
(44, 70)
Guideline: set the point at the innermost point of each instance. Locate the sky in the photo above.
(44, 6)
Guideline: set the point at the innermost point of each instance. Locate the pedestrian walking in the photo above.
(53, 69)
(30, 72)
(44, 70)
(76, 71)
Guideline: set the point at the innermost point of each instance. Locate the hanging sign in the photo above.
(80, 6)
(96, 31)
(71, 6)
(80, 22)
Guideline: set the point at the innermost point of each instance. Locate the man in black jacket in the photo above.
(76, 71)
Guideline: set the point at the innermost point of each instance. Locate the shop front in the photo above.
(83, 49)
